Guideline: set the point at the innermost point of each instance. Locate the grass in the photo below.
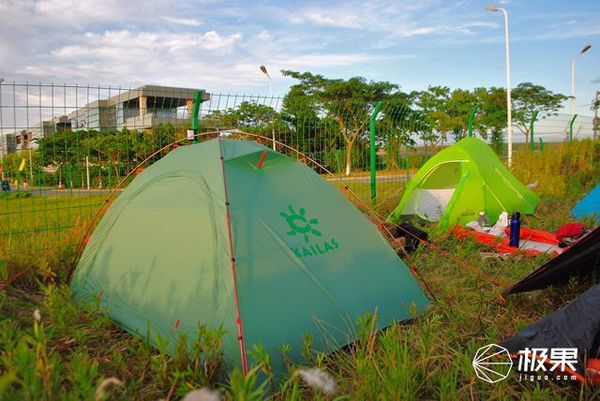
(72, 352)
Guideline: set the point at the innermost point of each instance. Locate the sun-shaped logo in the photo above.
(492, 363)
(300, 224)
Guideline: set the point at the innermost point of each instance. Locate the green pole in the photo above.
(195, 111)
(571, 127)
(373, 152)
(531, 128)
(541, 144)
(109, 176)
(471, 118)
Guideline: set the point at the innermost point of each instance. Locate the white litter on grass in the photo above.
(103, 387)
(318, 379)
(203, 394)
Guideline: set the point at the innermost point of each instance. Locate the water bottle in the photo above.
(515, 229)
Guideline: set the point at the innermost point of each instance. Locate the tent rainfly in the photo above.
(460, 181)
(588, 206)
(232, 233)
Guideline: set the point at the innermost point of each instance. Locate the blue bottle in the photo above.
(515, 229)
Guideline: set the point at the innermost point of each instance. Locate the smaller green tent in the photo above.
(458, 182)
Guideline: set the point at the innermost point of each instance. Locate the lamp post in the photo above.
(263, 69)
(585, 49)
(508, 100)
(2, 137)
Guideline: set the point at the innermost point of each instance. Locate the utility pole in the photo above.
(585, 49)
(2, 136)
(263, 69)
(508, 94)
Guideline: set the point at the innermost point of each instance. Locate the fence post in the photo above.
(373, 151)
(471, 118)
(541, 144)
(531, 129)
(571, 127)
(195, 111)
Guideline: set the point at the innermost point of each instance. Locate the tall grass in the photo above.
(560, 170)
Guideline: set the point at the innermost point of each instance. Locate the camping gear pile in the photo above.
(467, 190)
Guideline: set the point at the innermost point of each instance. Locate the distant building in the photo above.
(8, 143)
(141, 108)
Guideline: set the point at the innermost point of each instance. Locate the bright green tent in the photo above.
(229, 232)
(458, 182)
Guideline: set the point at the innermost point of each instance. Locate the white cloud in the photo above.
(183, 21)
(335, 18)
(391, 18)
(211, 40)
(264, 35)
(327, 60)
(77, 10)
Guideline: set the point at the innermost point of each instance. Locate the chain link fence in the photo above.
(65, 148)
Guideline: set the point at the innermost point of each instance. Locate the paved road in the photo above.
(52, 191)
(381, 178)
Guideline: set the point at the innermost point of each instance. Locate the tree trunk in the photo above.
(349, 145)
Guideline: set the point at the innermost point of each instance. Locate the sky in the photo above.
(219, 45)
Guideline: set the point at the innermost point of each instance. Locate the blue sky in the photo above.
(218, 45)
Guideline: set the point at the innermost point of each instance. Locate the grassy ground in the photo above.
(73, 353)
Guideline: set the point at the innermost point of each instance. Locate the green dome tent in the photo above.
(231, 233)
(458, 182)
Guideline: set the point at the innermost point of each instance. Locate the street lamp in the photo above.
(263, 69)
(2, 137)
(585, 49)
(508, 101)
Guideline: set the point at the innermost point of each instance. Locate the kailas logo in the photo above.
(492, 363)
(302, 226)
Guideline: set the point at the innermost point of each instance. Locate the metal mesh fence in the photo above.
(64, 148)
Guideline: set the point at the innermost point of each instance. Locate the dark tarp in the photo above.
(583, 258)
(576, 325)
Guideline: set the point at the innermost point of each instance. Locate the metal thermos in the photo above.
(515, 229)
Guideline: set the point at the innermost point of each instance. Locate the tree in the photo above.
(248, 116)
(347, 102)
(491, 117)
(395, 126)
(457, 109)
(432, 103)
(528, 98)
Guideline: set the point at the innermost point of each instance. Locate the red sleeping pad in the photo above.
(501, 244)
